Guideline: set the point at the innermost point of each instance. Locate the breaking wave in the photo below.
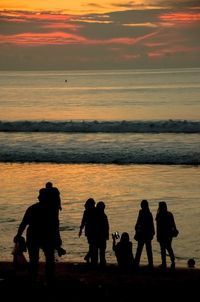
(167, 126)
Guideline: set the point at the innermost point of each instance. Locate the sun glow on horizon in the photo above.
(75, 7)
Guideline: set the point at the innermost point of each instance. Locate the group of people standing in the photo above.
(42, 222)
(165, 231)
(97, 233)
(96, 225)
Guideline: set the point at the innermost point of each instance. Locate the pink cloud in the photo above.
(172, 50)
(61, 25)
(129, 41)
(35, 39)
(181, 17)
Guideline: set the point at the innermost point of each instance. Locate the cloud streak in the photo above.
(134, 38)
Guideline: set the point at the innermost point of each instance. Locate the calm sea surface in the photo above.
(116, 136)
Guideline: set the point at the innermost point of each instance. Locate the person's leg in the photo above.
(94, 254)
(102, 254)
(138, 252)
(171, 254)
(163, 254)
(149, 253)
(50, 265)
(87, 257)
(33, 251)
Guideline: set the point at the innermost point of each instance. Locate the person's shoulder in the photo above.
(55, 189)
(32, 207)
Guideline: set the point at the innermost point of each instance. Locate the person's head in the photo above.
(162, 206)
(49, 185)
(100, 206)
(89, 204)
(144, 204)
(42, 195)
(124, 237)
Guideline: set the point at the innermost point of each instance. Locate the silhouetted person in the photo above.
(53, 194)
(88, 224)
(145, 232)
(19, 259)
(123, 251)
(166, 228)
(101, 234)
(42, 233)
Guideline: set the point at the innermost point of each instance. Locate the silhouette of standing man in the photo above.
(145, 232)
(101, 234)
(42, 233)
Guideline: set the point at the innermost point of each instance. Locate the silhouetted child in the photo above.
(19, 259)
(123, 251)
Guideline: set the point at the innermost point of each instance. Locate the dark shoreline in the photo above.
(79, 282)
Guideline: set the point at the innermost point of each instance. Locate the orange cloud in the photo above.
(181, 17)
(33, 16)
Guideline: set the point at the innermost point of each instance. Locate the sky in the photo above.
(103, 34)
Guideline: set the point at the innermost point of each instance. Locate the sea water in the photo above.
(117, 136)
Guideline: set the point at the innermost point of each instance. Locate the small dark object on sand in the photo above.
(191, 262)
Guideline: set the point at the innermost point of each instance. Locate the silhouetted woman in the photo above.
(166, 230)
(88, 224)
(145, 232)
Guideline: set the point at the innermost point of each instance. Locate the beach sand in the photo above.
(78, 282)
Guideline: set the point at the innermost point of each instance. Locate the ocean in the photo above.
(118, 136)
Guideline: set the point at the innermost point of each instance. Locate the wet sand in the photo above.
(78, 282)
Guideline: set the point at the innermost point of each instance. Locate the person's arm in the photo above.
(22, 226)
(114, 243)
(173, 226)
(107, 227)
(82, 224)
(59, 201)
(138, 222)
(152, 226)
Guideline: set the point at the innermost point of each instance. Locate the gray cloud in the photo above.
(103, 45)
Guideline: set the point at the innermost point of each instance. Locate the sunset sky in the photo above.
(66, 34)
